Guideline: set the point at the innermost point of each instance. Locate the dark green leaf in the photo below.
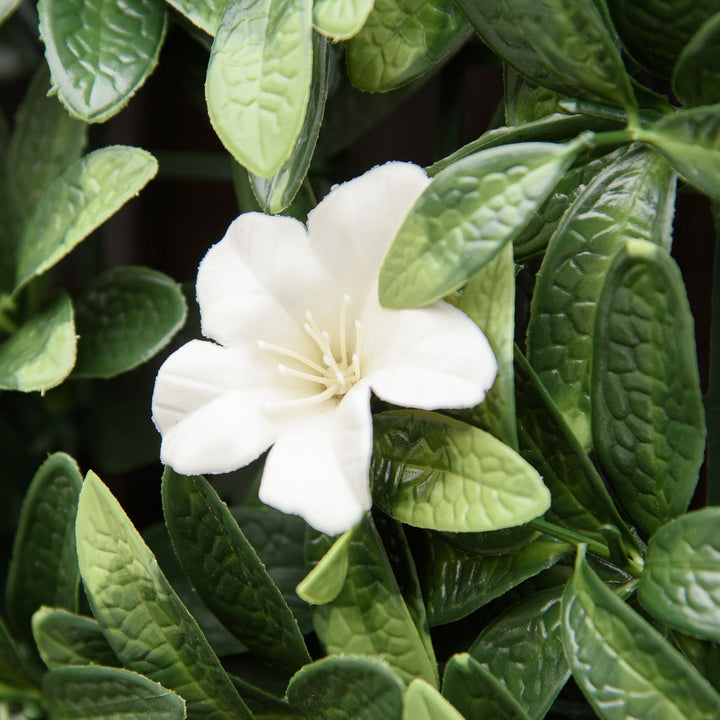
(696, 78)
(262, 703)
(648, 419)
(704, 655)
(12, 673)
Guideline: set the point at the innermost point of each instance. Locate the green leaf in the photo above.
(7, 8)
(705, 656)
(340, 19)
(690, 139)
(456, 583)
(525, 101)
(64, 638)
(41, 353)
(369, 616)
(563, 45)
(402, 40)
(424, 702)
(465, 216)
(680, 584)
(124, 317)
(276, 193)
(347, 688)
(623, 666)
(476, 693)
(100, 51)
(78, 201)
(523, 649)
(325, 581)
(12, 672)
(633, 197)
(648, 418)
(261, 702)
(227, 573)
(144, 622)
(435, 472)
(43, 569)
(258, 80)
(107, 693)
(206, 14)
(696, 77)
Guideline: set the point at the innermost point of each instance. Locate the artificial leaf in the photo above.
(623, 666)
(523, 649)
(633, 197)
(262, 703)
(680, 584)
(227, 573)
(647, 413)
(347, 688)
(465, 216)
(325, 581)
(525, 101)
(144, 622)
(258, 80)
(563, 45)
(696, 77)
(704, 655)
(477, 693)
(206, 14)
(403, 39)
(7, 8)
(340, 19)
(41, 353)
(13, 676)
(64, 638)
(423, 702)
(107, 693)
(124, 317)
(435, 472)
(43, 569)
(78, 201)
(100, 51)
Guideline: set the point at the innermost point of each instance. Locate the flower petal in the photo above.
(320, 468)
(352, 228)
(428, 358)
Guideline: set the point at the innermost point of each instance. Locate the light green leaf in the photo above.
(41, 353)
(7, 8)
(325, 581)
(696, 77)
(633, 197)
(340, 19)
(563, 45)
(347, 688)
(78, 201)
(680, 584)
(623, 666)
(647, 412)
(402, 40)
(465, 216)
(108, 693)
(43, 569)
(258, 80)
(424, 702)
(206, 14)
(435, 472)
(144, 622)
(100, 51)
(64, 638)
(124, 317)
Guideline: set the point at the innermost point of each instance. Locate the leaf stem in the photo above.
(614, 137)
(574, 538)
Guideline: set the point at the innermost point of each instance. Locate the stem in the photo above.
(613, 137)
(571, 537)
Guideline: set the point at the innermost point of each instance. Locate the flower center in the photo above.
(335, 372)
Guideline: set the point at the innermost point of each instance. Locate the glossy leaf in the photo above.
(124, 317)
(563, 45)
(106, 693)
(623, 666)
(424, 702)
(64, 638)
(325, 581)
(680, 584)
(144, 622)
(340, 19)
(633, 197)
(648, 418)
(258, 80)
(696, 77)
(523, 649)
(206, 14)
(476, 693)
(41, 353)
(465, 216)
(100, 51)
(369, 616)
(78, 201)
(435, 472)
(43, 569)
(403, 39)
(347, 687)
(227, 573)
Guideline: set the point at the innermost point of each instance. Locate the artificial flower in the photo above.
(298, 340)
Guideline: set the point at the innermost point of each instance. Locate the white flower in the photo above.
(300, 340)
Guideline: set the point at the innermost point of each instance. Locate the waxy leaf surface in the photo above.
(325, 581)
(696, 78)
(206, 14)
(340, 19)
(424, 702)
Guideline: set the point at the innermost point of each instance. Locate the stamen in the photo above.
(343, 316)
(291, 354)
(356, 367)
(312, 400)
(358, 328)
(285, 370)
